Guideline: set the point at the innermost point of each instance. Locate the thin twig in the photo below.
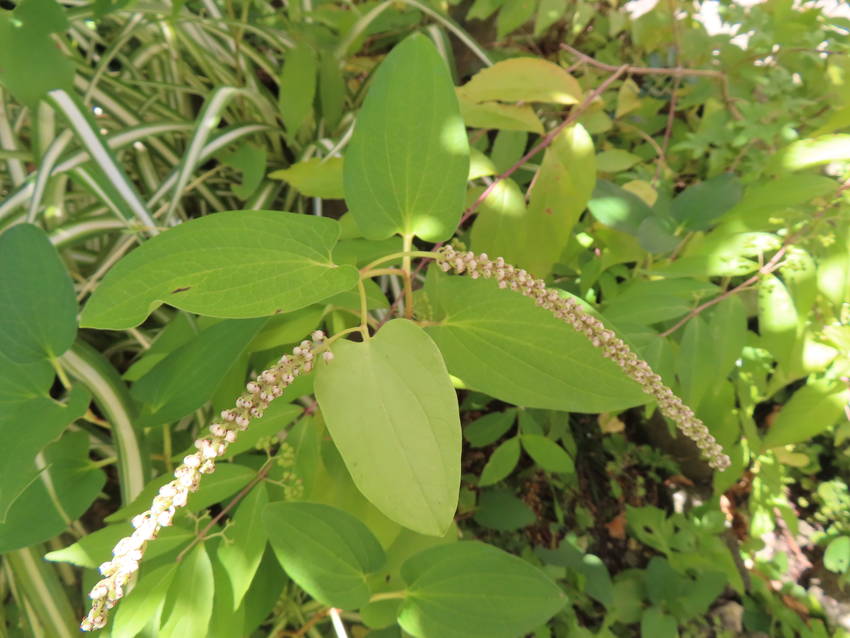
(676, 72)
(227, 508)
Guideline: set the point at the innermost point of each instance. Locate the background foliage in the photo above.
(683, 171)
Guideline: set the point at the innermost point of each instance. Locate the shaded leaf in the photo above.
(325, 550)
(501, 343)
(38, 307)
(501, 463)
(468, 589)
(317, 177)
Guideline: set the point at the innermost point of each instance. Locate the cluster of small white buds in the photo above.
(568, 310)
(267, 386)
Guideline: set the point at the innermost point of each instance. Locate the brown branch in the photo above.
(675, 72)
(768, 268)
(317, 617)
(543, 143)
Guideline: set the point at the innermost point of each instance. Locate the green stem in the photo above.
(368, 274)
(408, 282)
(364, 311)
(387, 595)
(60, 372)
(425, 254)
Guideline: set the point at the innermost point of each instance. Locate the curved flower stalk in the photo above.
(127, 554)
(568, 310)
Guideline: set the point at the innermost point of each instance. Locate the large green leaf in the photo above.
(61, 493)
(618, 208)
(406, 166)
(325, 550)
(145, 601)
(535, 238)
(468, 589)
(38, 309)
(235, 264)
(30, 62)
(501, 343)
(523, 80)
(698, 206)
(392, 412)
(188, 605)
(187, 378)
(26, 429)
(246, 540)
(811, 410)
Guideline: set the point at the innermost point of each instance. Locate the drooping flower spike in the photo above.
(127, 554)
(568, 310)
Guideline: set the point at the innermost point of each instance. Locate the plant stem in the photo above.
(408, 284)
(364, 311)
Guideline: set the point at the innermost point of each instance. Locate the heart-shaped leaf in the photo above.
(392, 412)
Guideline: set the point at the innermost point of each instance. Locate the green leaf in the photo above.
(501, 463)
(406, 461)
(836, 558)
(331, 89)
(778, 319)
(489, 428)
(188, 604)
(812, 152)
(227, 479)
(59, 495)
(235, 264)
(727, 323)
(188, 377)
(95, 548)
(246, 540)
(501, 510)
(38, 307)
(145, 601)
(648, 302)
(26, 430)
(274, 420)
(548, 13)
(616, 160)
(698, 206)
(656, 624)
(297, 87)
(468, 589)
(547, 454)
(500, 222)
(30, 62)
(502, 344)
(597, 583)
(514, 14)
(225, 622)
(523, 80)
(695, 365)
(250, 160)
(810, 410)
(560, 194)
(317, 177)
(618, 208)
(406, 165)
(325, 550)
(506, 117)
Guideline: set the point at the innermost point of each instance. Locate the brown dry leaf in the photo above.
(617, 526)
